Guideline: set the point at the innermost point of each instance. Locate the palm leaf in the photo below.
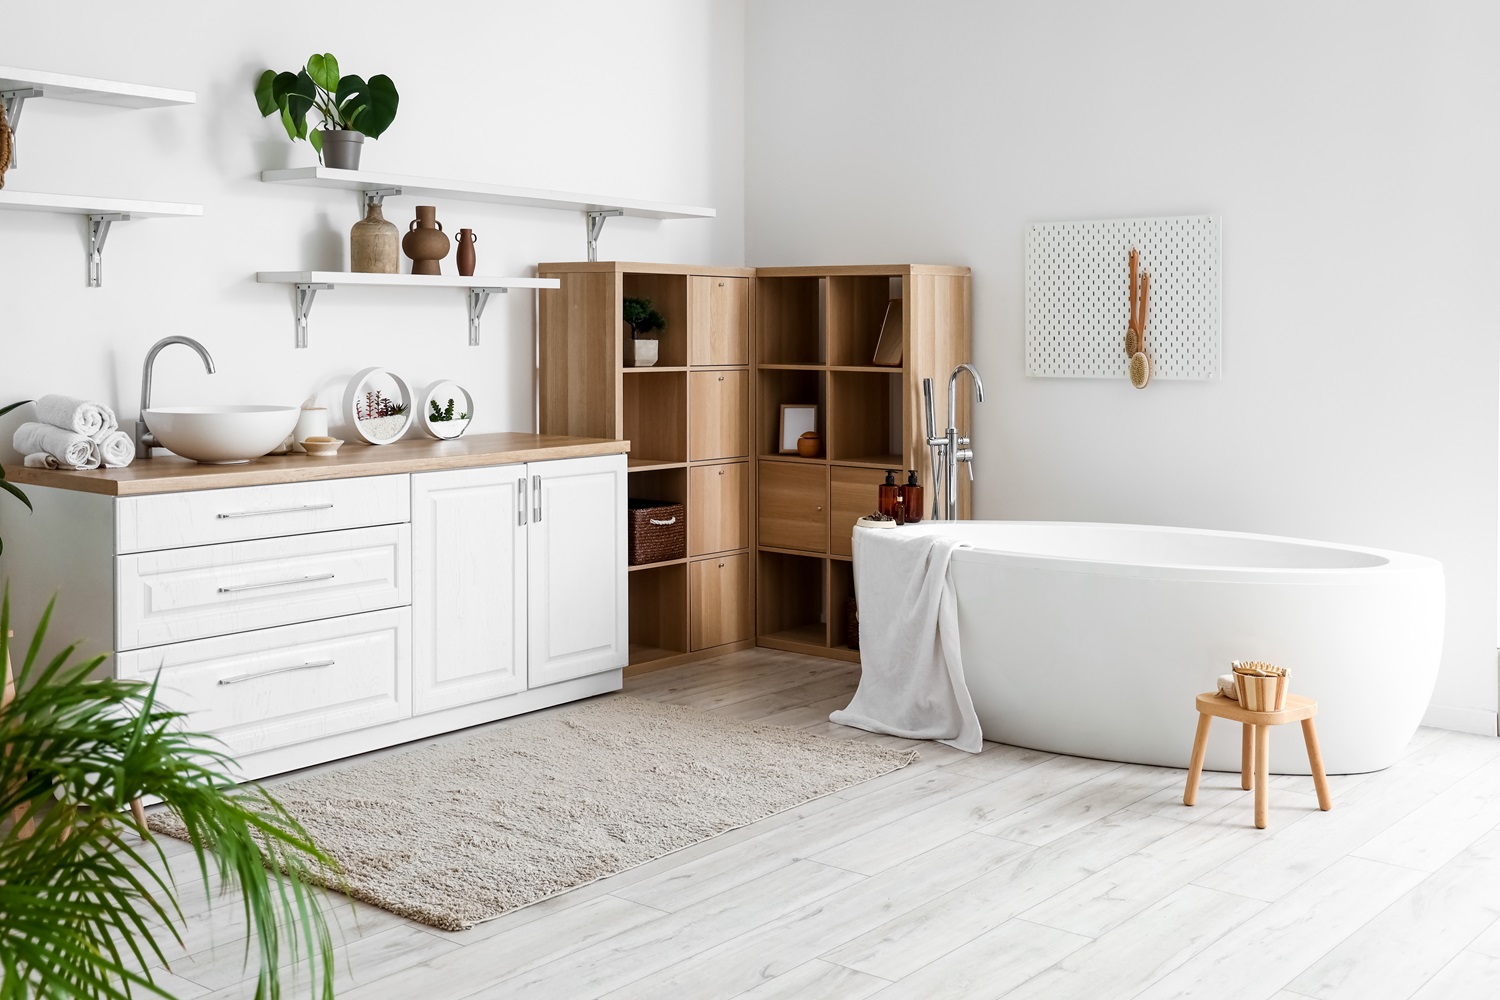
(85, 913)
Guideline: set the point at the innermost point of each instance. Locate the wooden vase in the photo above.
(466, 241)
(374, 244)
(425, 242)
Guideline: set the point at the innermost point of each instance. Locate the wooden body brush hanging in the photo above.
(7, 141)
(1135, 335)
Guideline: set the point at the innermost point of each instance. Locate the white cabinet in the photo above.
(518, 577)
(468, 585)
(579, 616)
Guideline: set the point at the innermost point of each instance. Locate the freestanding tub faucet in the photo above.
(144, 439)
(950, 447)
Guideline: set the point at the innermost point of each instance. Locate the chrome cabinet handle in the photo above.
(521, 501)
(277, 510)
(237, 678)
(536, 508)
(275, 583)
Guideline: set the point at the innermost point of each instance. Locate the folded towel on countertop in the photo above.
(116, 450)
(73, 451)
(911, 681)
(92, 420)
(41, 460)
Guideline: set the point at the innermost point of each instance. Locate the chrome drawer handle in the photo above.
(275, 583)
(278, 670)
(521, 501)
(662, 524)
(536, 500)
(277, 510)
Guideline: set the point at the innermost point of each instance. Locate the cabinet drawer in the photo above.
(175, 520)
(718, 500)
(854, 493)
(718, 601)
(286, 685)
(718, 414)
(719, 328)
(794, 505)
(182, 594)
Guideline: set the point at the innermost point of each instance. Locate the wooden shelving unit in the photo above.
(688, 421)
(816, 331)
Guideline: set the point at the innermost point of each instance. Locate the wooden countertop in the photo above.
(173, 474)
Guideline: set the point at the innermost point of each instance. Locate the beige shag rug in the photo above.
(461, 831)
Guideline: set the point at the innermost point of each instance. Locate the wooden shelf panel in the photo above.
(78, 204)
(633, 370)
(820, 460)
(649, 464)
(88, 90)
(791, 368)
(479, 191)
(400, 280)
(807, 635)
(875, 462)
(657, 565)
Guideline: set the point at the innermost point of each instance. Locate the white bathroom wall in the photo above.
(1350, 148)
(640, 100)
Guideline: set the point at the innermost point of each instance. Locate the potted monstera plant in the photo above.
(348, 107)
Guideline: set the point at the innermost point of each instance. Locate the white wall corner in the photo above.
(1462, 720)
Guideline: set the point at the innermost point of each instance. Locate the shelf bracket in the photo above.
(478, 299)
(306, 292)
(98, 233)
(15, 100)
(377, 196)
(594, 220)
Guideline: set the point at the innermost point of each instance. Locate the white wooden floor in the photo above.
(1008, 874)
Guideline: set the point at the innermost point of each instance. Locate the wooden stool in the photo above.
(1256, 743)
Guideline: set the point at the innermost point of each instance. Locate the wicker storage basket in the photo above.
(658, 531)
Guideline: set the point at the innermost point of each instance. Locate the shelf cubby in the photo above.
(856, 311)
(668, 294)
(865, 418)
(840, 590)
(658, 612)
(789, 602)
(789, 320)
(655, 421)
(779, 386)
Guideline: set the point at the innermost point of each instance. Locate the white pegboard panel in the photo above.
(1078, 296)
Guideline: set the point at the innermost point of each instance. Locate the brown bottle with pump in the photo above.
(890, 495)
(911, 498)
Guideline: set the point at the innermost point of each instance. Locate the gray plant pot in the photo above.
(341, 148)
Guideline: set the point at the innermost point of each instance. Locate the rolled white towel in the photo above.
(74, 451)
(92, 420)
(116, 450)
(41, 460)
(1228, 688)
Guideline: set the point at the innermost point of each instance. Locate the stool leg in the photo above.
(1247, 756)
(1195, 769)
(140, 817)
(1315, 758)
(1262, 775)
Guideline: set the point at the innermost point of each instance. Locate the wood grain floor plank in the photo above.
(1431, 837)
(1470, 974)
(819, 979)
(1411, 940)
(906, 941)
(366, 960)
(1076, 807)
(990, 965)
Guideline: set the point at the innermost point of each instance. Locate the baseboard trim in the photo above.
(1462, 720)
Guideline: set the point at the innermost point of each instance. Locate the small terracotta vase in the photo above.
(374, 244)
(466, 241)
(425, 242)
(810, 444)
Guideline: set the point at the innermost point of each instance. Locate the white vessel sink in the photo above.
(221, 435)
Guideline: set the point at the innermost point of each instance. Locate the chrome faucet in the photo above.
(144, 439)
(949, 448)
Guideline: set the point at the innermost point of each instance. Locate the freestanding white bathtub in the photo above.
(1092, 639)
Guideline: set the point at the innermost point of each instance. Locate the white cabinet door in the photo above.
(468, 530)
(579, 614)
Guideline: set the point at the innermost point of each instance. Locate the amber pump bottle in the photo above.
(911, 498)
(890, 495)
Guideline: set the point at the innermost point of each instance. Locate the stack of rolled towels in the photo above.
(73, 433)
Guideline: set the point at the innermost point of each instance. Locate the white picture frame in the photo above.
(796, 420)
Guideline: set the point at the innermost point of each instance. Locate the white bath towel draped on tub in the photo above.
(912, 681)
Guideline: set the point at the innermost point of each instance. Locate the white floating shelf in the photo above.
(596, 208)
(101, 212)
(309, 283)
(91, 91)
(78, 204)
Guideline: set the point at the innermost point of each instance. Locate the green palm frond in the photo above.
(82, 912)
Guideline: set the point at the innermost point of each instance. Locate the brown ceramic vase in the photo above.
(466, 241)
(374, 244)
(425, 242)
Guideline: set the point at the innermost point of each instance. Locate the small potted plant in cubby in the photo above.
(641, 350)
